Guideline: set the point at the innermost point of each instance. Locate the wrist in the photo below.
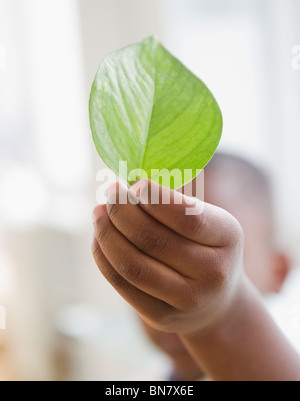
(222, 320)
(245, 345)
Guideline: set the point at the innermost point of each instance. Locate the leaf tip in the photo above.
(152, 40)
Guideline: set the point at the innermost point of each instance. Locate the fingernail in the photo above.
(98, 212)
(117, 193)
(138, 188)
(189, 200)
(195, 206)
(115, 186)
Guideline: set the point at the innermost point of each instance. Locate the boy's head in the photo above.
(242, 189)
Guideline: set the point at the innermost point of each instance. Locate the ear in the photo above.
(281, 269)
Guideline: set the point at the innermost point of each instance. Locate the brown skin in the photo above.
(184, 274)
(184, 366)
(265, 266)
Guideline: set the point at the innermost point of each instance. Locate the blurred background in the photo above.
(63, 321)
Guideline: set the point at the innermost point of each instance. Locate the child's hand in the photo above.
(180, 272)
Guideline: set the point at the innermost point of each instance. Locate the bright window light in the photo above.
(22, 197)
(60, 102)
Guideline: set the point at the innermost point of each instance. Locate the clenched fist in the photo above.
(180, 271)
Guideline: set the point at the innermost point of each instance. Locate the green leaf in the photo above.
(148, 109)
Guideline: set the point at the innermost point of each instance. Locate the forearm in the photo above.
(246, 345)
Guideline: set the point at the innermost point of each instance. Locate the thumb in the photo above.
(207, 224)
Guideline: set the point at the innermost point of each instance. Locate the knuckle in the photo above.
(220, 269)
(189, 295)
(220, 277)
(133, 271)
(239, 234)
(192, 298)
(96, 251)
(115, 279)
(113, 209)
(102, 235)
(210, 260)
(164, 319)
(214, 271)
(149, 241)
(236, 237)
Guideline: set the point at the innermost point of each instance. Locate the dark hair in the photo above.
(252, 183)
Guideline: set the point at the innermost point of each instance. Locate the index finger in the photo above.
(207, 224)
